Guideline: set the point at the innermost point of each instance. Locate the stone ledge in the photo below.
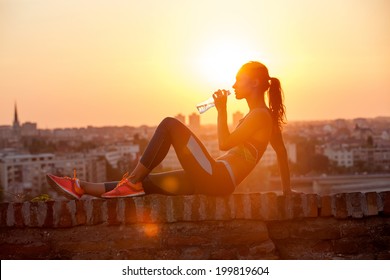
(170, 209)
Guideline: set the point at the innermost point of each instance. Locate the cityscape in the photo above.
(325, 156)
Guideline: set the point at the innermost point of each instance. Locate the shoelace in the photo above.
(75, 185)
(74, 175)
(124, 179)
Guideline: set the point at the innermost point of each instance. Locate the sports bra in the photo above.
(252, 149)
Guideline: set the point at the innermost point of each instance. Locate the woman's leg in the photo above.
(167, 183)
(188, 148)
(200, 169)
(201, 173)
(94, 189)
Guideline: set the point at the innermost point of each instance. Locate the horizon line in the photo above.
(205, 124)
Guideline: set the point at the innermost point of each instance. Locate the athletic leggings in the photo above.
(201, 174)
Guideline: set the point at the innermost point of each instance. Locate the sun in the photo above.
(219, 61)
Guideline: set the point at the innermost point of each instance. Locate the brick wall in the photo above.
(240, 226)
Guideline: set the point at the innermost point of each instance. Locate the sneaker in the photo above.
(125, 188)
(69, 187)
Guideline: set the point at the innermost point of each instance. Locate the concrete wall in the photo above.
(240, 226)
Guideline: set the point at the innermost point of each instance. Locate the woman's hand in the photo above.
(220, 99)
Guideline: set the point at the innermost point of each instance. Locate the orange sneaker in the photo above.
(69, 187)
(125, 188)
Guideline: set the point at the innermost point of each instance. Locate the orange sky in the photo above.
(73, 63)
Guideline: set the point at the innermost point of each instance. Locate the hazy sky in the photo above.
(73, 63)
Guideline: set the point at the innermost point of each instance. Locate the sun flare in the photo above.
(220, 61)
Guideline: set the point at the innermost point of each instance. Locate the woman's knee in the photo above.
(172, 126)
(169, 122)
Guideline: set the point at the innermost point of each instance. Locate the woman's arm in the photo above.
(220, 100)
(277, 144)
(255, 121)
(223, 129)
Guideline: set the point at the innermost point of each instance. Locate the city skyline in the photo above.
(234, 117)
(335, 147)
(73, 64)
(338, 147)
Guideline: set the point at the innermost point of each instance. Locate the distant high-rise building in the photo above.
(181, 118)
(237, 116)
(194, 121)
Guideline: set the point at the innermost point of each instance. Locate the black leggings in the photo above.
(201, 174)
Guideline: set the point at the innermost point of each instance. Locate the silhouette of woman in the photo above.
(200, 173)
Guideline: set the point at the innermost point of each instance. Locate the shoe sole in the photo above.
(129, 195)
(59, 189)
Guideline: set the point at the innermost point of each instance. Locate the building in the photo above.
(12, 133)
(113, 154)
(29, 129)
(16, 123)
(194, 122)
(26, 173)
(342, 156)
(269, 157)
(15, 136)
(181, 118)
(373, 157)
(5, 131)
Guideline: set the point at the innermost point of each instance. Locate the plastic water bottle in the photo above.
(207, 104)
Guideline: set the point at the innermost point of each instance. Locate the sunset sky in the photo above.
(73, 63)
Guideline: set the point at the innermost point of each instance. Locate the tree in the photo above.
(113, 174)
(141, 142)
(370, 142)
(305, 151)
(1, 192)
(319, 163)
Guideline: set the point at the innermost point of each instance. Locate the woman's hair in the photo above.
(257, 70)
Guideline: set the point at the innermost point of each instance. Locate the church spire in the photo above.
(16, 124)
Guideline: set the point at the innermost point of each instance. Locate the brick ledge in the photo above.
(169, 209)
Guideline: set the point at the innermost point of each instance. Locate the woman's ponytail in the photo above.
(275, 99)
(259, 71)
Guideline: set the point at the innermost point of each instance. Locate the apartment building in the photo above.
(341, 156)
(377, 157)
(113, 154)
(26, 173)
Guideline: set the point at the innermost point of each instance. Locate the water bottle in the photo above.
(207, 104)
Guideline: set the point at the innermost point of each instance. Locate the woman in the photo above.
(201, 174)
